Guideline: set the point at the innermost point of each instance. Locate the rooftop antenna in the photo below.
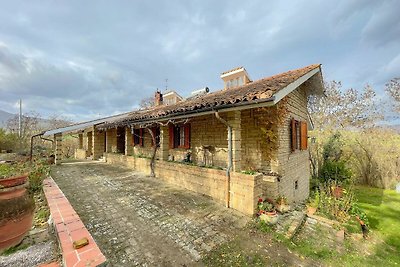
(166, 84)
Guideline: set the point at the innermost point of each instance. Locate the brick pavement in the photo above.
(138, 220)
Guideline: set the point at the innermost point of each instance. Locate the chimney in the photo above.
(158, 98)
(235, 78)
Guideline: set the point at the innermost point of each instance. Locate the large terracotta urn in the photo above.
(16, 211)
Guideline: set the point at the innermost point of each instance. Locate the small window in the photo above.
(179, 136)
(138, 137)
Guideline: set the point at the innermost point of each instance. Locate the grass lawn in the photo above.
(383, 211)
(382, 248)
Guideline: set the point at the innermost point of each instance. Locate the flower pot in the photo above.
(311, 210)
(337, 191)
(16, 211)
(283, 208)
(269, 217)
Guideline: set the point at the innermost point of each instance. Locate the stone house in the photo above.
(246, 141)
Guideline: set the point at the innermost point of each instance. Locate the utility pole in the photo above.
(20, 124)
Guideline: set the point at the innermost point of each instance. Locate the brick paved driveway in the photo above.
(138, 220)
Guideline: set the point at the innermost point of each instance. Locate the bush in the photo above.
(335, 170)
(39, 171)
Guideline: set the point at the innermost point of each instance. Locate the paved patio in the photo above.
(138, 220)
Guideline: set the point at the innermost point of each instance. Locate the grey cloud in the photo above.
(85, 58)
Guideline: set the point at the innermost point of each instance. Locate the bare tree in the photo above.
(147, 102)
(393, 89)
(30, 125)
(342, 109)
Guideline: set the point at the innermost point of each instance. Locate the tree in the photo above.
(342, 109)
(147, 102)
(393, 89)
(29, 126)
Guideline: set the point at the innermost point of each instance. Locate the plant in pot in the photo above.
(267, 212)
(281, 204)
(16, 204)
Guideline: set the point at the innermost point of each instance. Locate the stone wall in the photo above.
(80, 153)
(244, 189)
(293, 166)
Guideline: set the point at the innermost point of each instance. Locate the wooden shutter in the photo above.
(171, 136)
(187, 136)
(303, 135)
(141, 143)
(293, 133)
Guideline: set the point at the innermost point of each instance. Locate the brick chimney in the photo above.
(158, 98)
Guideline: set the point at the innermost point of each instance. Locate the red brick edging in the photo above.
(70, 228)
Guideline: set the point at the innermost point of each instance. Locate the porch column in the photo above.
(234, 120)
(58, 148)
(111, 140)
(164, 142)
(128, 141)
(98, 143)
(80, 144)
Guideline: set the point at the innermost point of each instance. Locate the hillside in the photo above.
(4, 117)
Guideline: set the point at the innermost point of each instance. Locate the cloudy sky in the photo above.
(83, 59)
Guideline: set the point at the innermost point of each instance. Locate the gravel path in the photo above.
(32, 256)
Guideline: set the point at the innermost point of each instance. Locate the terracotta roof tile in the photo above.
(261, 89)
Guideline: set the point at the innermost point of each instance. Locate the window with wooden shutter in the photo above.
(137, 137)
(293, 134)
(179, 136)
(303, 135)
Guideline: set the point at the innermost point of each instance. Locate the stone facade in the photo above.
(244, 189)
(293, 167)
(209, 147)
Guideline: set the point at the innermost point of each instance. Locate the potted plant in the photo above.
(281, 204)
(16, 205)
(267, 212)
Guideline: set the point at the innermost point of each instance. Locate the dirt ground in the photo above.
(139, 220)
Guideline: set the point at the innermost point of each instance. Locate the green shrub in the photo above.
(39, 171)
(335, 170)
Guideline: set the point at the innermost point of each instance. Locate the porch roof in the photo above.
(74, 128)
(266, 91)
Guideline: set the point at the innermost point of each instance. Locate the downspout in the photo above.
(230, 160)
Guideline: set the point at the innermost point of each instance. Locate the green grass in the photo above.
(383, 210)
(381, 249)
(12, 250)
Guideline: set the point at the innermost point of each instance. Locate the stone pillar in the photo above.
(164, 142)
(234, 120)
(80, 144)
(128, 141)
(58, 148)
(98, 143)
(111, 140)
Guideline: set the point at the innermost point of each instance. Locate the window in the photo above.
(179, 136)
(138, 137)
(298, 133)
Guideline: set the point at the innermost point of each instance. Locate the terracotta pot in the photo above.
(337, 191)
(283, 208)
(311, 210)
(13, 181)
(270, 217)
(16, 212)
